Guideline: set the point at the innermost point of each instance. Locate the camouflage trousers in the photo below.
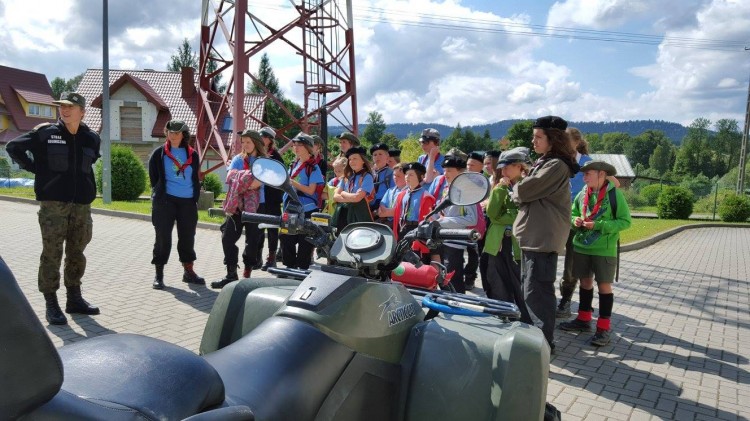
(68, 223)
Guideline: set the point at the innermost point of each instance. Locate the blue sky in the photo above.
(457, 74)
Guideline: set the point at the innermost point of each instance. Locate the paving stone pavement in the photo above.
(681, 316)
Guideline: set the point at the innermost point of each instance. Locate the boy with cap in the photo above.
(63, 154)
(347, 140)
(383, 174)
(598, 222)
(387, 205)
(394, 157)
(475, 163)
(454, 216)
(412, 204)
(431, 158)
(501, 248)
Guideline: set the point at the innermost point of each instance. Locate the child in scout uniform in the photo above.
(356, 191)
(412, 204)
(388, 204)
(504, 254)
(599, 213)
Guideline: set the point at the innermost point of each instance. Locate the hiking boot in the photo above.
(189, 276)
(231, 276)
(246, 272)
(158, 278)
(469, 283)
(576, 325)
(76, 303)
(601, 337)
(257, 266)
(54, 314)
(563, 309)
(270, 263)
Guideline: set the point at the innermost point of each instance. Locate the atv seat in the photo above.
(112, 377)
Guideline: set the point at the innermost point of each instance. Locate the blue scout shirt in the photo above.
(309, 203)
(576, 182)
(438, 162)
(178, 185)
(365, 182)
(237, 164)
(411, 203)
(383, 182)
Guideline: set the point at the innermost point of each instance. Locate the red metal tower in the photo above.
(319, 33)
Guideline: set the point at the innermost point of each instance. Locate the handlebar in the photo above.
(259, 218)
(457, 234)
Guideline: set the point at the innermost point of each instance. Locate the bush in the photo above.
(633, 199)
(706, 204)
(212, 183)
(700, 185)
(734, 208)
(4, 168)
(674, 203)
(650, 194)
(128, 174)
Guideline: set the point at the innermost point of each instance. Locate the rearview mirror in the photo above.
(468, 188)
(269, 172)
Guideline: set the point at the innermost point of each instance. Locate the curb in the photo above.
(107, 212)
(206, 225)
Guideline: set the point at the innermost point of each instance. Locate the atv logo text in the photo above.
(402, 314)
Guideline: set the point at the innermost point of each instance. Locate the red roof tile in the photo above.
(35, 97)
(166, 86)
(33, 84)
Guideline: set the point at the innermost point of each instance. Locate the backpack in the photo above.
(613, 205)
(481, 225)
(309, 168)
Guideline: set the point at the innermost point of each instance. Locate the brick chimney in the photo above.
(188, 82)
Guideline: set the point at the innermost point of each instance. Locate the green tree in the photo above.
(640, 148)
(391, 140)
(375, 128)
(4, 168)
(410, 149)
(661, 159)
(274, 114)
(614, 143)
(60, 85)
(465, 140)
(727, 141)
(185, 57)
(520, 134)
(694, 156)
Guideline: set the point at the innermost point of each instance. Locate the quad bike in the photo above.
(343, 344)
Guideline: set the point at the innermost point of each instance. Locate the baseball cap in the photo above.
(71, 98)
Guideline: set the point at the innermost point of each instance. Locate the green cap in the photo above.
(251, 134)
(71, 98)
(599, 166)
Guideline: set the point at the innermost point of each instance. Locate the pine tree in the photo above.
(185, 57)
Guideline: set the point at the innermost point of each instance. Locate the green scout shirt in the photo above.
(502, 211)
(602, 240)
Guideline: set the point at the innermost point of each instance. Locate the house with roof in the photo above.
(625, 173)
(25, 102)
(143, 101)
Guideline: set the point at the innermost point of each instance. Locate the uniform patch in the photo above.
(56, 141)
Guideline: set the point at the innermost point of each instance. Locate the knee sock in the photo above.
(585, 297)
(606, 301)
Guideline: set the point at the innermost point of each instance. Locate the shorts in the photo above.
(601, 268)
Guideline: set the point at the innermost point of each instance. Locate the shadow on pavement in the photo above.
(604, 372)
(90, 326)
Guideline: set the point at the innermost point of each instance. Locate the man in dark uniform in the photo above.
(61, 158)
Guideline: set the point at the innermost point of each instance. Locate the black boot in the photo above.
(54, 314)
(270, 262)
(189, 276)
(76, 303)
(158, 278)
(230, 277)
(563, 309)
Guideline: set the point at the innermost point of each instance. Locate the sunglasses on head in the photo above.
(427, 139)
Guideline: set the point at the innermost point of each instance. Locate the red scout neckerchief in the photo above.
(310, 162)
(188, 161)
(599, 198)
(246, 163)
(361, 175)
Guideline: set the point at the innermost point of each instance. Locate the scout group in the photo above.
(564, 201)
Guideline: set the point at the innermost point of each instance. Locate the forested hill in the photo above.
(673, 131)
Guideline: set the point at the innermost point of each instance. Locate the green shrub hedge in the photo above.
(128, 174)
(734, 208)
(674, 203)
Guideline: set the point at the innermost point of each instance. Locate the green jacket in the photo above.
(602, 240)
(501, 211)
